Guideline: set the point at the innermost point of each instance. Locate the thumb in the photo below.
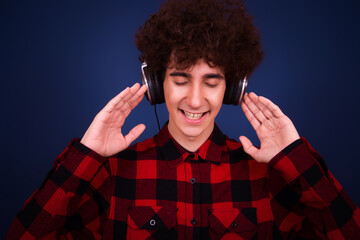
(134, 133)
(249, 148)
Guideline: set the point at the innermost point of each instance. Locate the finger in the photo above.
(249, 148)
(113, 102)
(250, 116)
(137, 97)
(133, 94)
(273, 108)
(250, 101)
(264, 109)
(122, 96)
(126, 98)
(121, 111)
(134, 133)
(127, 104)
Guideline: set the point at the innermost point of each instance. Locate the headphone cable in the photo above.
(157, 119)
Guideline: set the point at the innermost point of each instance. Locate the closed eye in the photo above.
(211, 85)
(180, 83)
(212, 80)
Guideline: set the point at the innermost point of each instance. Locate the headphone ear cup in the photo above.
(158, 89)
(228, 93)
(235, 93)
(155, 92)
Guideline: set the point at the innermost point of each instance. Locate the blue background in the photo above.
(62, 61)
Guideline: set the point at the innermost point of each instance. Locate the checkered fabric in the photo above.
(157, 190)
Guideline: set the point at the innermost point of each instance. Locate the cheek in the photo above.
(217, 98)
(174, 95)
(167, 91)
(170, 97)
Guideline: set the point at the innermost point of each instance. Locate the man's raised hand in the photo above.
(104, 135)
(274, 130)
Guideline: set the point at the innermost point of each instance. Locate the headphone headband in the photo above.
(243, 89)
(145, 81)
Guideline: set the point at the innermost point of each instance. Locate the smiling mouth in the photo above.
(192, 116)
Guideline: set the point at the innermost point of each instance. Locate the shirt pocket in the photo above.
(233, 223)
(145, 222)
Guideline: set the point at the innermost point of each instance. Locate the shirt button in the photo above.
(234, 224)
(193, 221)
(152, 222)
(192, 181)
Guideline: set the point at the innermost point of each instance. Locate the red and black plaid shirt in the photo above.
(157, 190)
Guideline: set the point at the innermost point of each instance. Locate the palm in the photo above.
(104, 134)
(274, 129)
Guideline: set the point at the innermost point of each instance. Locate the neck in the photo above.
(190, 143)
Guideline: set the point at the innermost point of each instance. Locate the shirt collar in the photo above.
(172, 151)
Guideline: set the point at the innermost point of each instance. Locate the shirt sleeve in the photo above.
(306, 199)
(70, 201)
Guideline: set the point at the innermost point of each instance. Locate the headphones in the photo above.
(155, 91)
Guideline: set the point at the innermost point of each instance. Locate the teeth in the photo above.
(193, 115)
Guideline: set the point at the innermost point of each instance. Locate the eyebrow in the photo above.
(187, 75)
(180, 74)
(213, 75)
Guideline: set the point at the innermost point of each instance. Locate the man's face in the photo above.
(193, 98)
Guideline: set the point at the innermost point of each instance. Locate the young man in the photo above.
(190, 181)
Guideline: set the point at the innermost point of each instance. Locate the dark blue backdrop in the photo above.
(62, 61)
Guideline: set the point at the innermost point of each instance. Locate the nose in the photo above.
(195, 96)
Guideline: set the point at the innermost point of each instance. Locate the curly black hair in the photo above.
(219, 31)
